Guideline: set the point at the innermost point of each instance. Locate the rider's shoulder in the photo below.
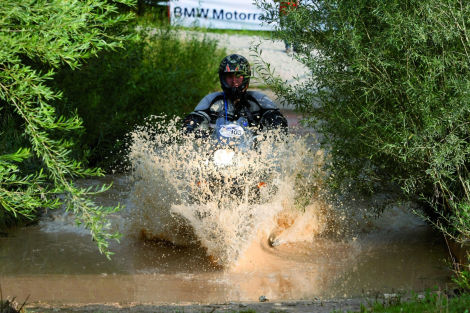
(206, 102)
(263, 100)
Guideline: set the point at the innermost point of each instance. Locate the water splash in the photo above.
(286, 243)
(180, 195)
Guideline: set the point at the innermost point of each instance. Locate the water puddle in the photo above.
(187, 240)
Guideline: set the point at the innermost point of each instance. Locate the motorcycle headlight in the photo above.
(223, 157)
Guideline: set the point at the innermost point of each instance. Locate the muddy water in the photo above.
(176, 249)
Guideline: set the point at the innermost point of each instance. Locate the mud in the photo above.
(307, 306)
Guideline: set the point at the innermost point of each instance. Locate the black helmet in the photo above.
(235, 63)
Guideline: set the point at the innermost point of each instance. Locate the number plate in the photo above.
(232, 131)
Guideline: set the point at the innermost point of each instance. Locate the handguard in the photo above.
(192, 124)
(273, 119)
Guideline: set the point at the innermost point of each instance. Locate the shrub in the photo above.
(389, 90)
(158, 72)
(35, 40)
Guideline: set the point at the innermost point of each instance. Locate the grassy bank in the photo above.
(258, 33)
(432, 303)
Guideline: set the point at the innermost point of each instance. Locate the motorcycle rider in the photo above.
(234, 101)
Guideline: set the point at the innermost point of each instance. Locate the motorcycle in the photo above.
(234, 170)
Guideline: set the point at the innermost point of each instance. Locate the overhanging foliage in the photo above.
(36, 38)
(389, 89)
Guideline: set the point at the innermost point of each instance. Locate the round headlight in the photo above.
(223, 157)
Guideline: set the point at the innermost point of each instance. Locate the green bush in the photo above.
(390, 91)
(156, 73)
(35, 142)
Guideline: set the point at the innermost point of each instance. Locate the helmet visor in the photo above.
(234, 79)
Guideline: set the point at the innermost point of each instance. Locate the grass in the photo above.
(11, 306)
(260, 33)
(431, 303)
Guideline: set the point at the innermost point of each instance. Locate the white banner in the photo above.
(228, 14)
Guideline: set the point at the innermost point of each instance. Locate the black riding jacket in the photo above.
(256, 107)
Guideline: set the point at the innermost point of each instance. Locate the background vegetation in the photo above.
(158, 72)
(389, 90)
